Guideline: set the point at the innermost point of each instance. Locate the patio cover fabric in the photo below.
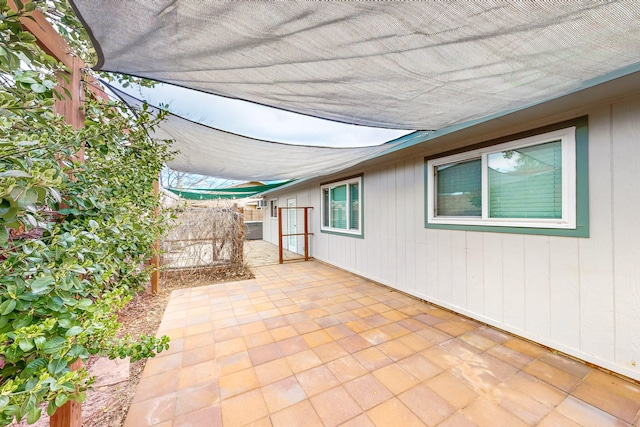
(403, 65)
(208, 151)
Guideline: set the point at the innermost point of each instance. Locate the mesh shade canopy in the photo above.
(403, 65)
(208, 151)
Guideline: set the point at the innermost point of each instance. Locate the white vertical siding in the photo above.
(626, 235)
(579, 295)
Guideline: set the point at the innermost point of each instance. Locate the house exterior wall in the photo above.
(578, 295)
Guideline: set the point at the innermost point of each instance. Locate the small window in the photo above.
(341, 206)
(273, 208)
(529, 182)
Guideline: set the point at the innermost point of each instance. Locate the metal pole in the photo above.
(306, 235)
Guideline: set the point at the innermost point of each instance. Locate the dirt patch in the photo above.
(107, 406)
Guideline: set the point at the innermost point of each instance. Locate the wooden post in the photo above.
(70, 414)
(280, 253)
(155, 258)
(306, 235)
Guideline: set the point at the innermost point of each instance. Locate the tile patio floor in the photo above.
(306, 344)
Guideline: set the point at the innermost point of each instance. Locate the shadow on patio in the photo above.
(306, 344)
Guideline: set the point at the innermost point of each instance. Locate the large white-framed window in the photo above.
(341, 206)
(529, 182)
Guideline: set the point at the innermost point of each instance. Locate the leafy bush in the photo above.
(74, 236)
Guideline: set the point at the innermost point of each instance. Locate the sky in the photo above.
(260, 122)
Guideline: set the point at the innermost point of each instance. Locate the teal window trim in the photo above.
(581, 184)
(354, 227)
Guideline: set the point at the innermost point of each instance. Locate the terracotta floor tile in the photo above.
(375, 336)
(157, 385)
(512, 357)
(330, 351)
(272, 371)
(235, 410)
(551, 375)
(275, 322)
(259, 338)
(358, 326)
(376, 320)
(316, 380)
(354, 343)
(252, 328)
(478, 341)
(306, 326)
(198, 340)
(585, 414)
(339, 331)
(196, 355)
(525, 347)
(197, 397)
(395, 378)
(427, 405)
(614, 385)
(233, 363)
(368, 391)
(419, 367)
(346, 368)
(554, 419)
(231, 346)
(428, 319)
(198, 373)
(292, 345)
(361, 420)
(521, 405)
(485, 413)
(577, 369)
(544, 393)
(151, 412)
(237, 383)
(415, 342)
(441, 357)
(303, 360)
(264, 353)
(604, 399)
(300, 415)
(210, 416)
(158, 364)
(283, 332)
(395, 315)
(454, 390)
(314, 339)
(372, 358)
(282, 394)
(335, 406)
(394, 330)
(393, 413)
(395, 350)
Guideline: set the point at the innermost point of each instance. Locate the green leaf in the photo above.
(25, 344)
(57, 366)
(4, 401)
(4, 235)
(34, 415)
(41, 285)
(7, 307)
(34, 366)
(14, 173)
(54, 345)
(72, 332)
(61, 399)
(52, 408)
